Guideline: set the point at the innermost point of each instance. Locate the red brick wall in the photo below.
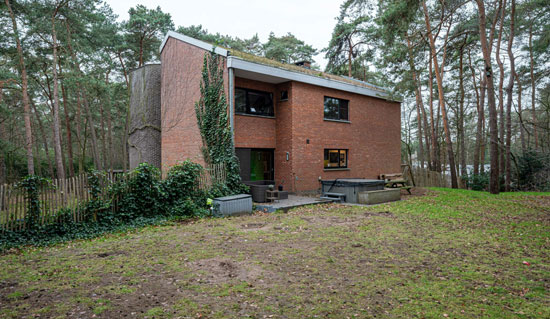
(255, 131)
(180, 77)
(373, 136)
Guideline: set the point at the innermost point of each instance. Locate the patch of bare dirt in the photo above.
(219, 270)
(111, 253)
(321, 220)
(383, 214)
(415, 191)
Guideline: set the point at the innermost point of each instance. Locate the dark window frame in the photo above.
(339, 116)
(284, 96)
(247, 102)
(327, 157)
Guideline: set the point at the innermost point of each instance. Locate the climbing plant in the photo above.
(213, 122)
(31, 185)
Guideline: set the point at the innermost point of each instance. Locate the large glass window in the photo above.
(253, 102)
(336, 158)
(336, 109)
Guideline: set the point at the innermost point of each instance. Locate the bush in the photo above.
(533, 171)
(478, 182)
(139, 195)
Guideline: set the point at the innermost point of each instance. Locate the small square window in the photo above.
(284, 95)
(336, 158)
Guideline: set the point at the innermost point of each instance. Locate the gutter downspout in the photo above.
(232, 103)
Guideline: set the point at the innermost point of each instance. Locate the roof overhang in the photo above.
(198, 43)
(270, 74)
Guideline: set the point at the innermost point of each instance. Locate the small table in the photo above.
(396, 183)
(271, 195)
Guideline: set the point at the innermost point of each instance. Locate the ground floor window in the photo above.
(336, 158)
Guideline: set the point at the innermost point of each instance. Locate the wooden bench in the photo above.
(396, 180)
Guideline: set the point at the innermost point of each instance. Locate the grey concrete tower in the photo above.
(144, 139)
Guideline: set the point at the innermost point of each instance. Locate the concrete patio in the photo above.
(291, 202)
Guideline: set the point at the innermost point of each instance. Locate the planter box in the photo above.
(233, 205)
(379, 196)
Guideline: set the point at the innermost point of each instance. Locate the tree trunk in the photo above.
(3, 171)
(82, 93)
(56, 124)
(350, 55)
(501, 123)
(103, 139)
(483, 136)
(520, 115)
(109, 124)
(509, 99)
(439, 78)
(494, 177)
(477, 146)
(44, 140)
(462, 143)
(127, 121)
(69, 133)
(435, 154)
(26, 102)
(533, 87)
(419, 104)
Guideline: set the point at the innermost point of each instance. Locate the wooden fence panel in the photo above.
(71, 194)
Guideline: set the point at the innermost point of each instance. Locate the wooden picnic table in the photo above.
(396, 183)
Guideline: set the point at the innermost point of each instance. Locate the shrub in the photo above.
(139, 195)
(533, 171)
(478, 182)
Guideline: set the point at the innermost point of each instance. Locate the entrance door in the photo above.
(256, 164)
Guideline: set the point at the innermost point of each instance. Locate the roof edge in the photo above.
(198, 43)
(238, 63)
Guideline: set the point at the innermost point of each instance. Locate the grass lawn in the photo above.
(449, 253)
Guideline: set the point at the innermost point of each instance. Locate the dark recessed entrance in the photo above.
(256, 164)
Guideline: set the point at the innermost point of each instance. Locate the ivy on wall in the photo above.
(213, 122)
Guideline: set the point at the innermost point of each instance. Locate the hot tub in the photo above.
(351, 187)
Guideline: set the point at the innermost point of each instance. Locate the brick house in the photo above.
(291, 124)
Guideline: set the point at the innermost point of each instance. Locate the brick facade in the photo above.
(180, 89)
(372, 135)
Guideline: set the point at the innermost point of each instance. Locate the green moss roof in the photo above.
(292, 67)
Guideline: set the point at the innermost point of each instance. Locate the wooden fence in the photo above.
(71, 194)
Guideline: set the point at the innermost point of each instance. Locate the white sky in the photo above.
(311, 21)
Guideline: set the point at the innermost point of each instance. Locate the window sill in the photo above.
(335, 169)
(339, 121)
(255, 115)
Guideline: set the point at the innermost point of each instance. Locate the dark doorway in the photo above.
(256, 164)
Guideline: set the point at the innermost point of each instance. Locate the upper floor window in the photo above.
(253, 102)
(336, 109)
